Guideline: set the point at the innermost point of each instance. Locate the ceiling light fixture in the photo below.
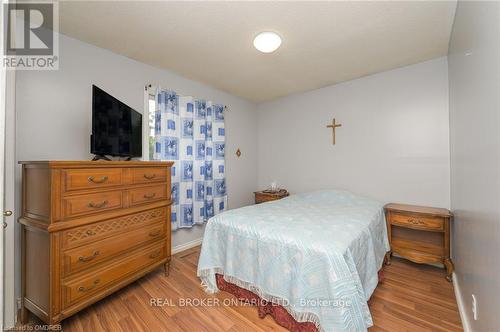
(267, 42)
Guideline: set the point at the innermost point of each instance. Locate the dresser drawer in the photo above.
(93, 283)
(79, 179)
(93, 232)
(93, 253)
(148, 194)
(92, 203)
(417, 222)
(149, 175)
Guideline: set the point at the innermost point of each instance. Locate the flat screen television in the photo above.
(116, 127)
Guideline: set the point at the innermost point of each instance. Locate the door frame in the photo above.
(3, 94)
(9, 254)
(12, 256)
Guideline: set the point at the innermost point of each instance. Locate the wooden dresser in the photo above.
(420, 234)
(90, 228)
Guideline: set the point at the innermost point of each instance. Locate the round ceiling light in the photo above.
(267, 42)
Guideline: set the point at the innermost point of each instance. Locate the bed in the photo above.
(316, 254)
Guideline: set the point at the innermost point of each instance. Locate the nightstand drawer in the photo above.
(264, 196)
(418, 222)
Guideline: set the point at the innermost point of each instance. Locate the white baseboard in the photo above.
(461, 305)
(186, 246)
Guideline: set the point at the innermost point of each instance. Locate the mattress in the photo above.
(316, 254)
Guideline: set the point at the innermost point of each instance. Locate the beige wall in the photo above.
(393, 144)
(474, 74)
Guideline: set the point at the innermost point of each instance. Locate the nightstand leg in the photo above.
(449, 268)
(387, 259)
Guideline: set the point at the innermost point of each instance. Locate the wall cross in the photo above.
(334, 126)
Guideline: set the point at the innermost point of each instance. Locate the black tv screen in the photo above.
(116, 128)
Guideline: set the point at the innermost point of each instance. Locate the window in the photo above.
(151, 122)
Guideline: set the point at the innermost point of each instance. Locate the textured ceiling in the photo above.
(323, 42)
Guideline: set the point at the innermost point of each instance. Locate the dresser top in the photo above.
(418, 209)
(98, 163)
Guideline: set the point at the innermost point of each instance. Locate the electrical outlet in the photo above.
(19, 303)
(474, 307)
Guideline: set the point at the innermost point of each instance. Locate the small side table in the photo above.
(420, 234)
(267, 196)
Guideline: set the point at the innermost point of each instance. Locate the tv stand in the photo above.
(100, 157)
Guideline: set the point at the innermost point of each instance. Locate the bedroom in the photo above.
(377, 121)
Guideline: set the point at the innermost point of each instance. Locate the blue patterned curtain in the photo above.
(191, 133)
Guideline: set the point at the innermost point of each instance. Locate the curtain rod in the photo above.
(149, 86)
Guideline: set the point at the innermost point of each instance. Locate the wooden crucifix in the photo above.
(333, 126)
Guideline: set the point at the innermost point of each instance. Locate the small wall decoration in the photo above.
(334, 126)
(238, 153)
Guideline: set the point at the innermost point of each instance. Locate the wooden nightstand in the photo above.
(420, 234)
(267, 196)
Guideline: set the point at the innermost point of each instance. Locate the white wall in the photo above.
(54, 113)
(393, 144)
(474, 73)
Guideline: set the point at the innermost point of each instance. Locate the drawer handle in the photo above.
(101, 180)
(98, 205)
(85, 289)
(149, 176)
(90, 232)
(153, 234)
(155, 254)
(149, 196)
(89, 258)
(416, 221)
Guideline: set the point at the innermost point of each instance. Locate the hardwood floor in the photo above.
(412, 298)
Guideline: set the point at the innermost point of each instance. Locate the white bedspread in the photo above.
(317, 254)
